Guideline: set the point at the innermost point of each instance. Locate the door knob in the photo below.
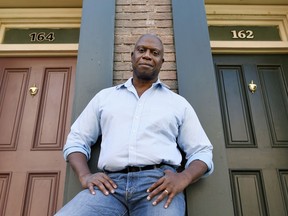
(33, 90)
(252, 87)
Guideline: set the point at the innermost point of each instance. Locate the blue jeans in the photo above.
(129, 199)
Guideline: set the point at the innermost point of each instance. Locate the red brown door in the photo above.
(256, 131)
(35, 110)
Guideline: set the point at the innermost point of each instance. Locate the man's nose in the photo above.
(147, 54)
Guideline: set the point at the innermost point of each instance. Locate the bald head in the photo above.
(151, 36)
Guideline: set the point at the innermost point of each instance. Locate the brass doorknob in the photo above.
(252, 87)
(33, 90)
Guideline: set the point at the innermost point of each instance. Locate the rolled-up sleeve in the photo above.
(194, 141)
(84, 131)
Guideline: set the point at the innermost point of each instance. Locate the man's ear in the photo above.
(132, 53)
(163, 60)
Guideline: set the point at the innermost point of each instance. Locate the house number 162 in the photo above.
(242, 34)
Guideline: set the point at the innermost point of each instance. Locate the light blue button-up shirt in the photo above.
(139, 131)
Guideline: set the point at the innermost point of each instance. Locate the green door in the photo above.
(256, 131)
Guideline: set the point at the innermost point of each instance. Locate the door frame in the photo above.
(249, 15)
(41, 18)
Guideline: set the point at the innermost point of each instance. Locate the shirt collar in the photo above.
(128, 84)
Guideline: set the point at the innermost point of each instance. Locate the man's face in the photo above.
(147, 58)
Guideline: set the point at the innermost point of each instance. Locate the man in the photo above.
(142, 124)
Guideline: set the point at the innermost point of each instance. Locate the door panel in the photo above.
(255, 127)
(4, 189)
(249, 193)
(33, 131)
(234, 107)
(50, 128)
(275, 98)
(41, 194)
(13, 88)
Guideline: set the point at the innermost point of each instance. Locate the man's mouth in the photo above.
(145, 64)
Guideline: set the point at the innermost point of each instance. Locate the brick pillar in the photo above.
(137, 17)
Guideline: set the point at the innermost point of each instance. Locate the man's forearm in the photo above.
(79, 164)
(195, 171)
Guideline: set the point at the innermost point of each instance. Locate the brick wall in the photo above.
(134, 18)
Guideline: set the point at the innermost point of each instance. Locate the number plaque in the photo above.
(41, 36)
(244, 33)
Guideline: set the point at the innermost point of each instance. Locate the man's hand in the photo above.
(100, 180)
(168, 186)
(78, 161)
(173, 183)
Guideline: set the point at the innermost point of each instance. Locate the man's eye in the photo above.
(141, 50)
(156, 53)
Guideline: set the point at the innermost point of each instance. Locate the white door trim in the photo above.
(39, 18)
(249, 15)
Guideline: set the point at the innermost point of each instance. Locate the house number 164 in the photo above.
(42, 36)
(242, 34)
